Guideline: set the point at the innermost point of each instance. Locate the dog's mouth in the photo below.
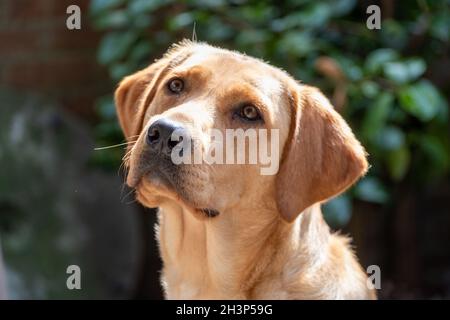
(157, 178)
(161, 185)
(210, 213)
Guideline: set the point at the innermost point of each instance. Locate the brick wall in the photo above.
(39, 54)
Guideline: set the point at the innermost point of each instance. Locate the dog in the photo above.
(227, 231)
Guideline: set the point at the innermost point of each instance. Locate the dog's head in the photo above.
(171, 108)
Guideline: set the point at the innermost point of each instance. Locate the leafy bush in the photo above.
(400, 116)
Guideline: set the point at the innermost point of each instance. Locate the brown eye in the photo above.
(250, 113)
(175, 85)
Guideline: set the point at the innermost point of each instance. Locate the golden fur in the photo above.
(269, 240)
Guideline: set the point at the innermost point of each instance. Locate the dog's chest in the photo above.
(180, 286)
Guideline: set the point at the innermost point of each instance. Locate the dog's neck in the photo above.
(226, 256)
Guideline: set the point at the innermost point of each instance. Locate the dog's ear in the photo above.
(321, 158)
(128, 97)
(135, 92)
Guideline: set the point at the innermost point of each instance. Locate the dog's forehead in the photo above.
(219, 58)
(224, 65)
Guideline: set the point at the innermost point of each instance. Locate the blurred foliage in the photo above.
(35, 204)
(54, 212)
(400, 116)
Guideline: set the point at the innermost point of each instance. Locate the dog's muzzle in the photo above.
(160, 137)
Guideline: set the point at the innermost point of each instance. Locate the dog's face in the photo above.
(173, 106)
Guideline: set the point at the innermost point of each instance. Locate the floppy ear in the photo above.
(135, 92)
(129, 97)
(322, 157)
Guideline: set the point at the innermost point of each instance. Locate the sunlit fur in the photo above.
(269, 240)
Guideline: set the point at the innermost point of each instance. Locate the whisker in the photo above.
(114, 145)
(122, 190)
(125, 159)
(127, 195)
(130, 202)
(123, 166)
(194, 33)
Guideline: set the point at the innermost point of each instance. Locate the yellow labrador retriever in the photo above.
(226, 231)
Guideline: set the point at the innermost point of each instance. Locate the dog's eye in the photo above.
(249, 113)
(175, 85)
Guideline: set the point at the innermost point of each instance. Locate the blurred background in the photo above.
(62, 203)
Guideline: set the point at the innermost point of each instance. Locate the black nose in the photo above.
(159, 136)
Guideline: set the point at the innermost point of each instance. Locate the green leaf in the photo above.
(99, 6)
(116, 19)
(398, 162)
(350, 67)
(297, 43)
(256, 14)
(393, 34)
(440, 25)
(376, 116)
(105, 107)
(181, 21)
(316, 15)
(250, 37)
(376, 59)
(107, 129)
(141, 21)
(313, 16)
(342, 7)
(143, 6)
(370, 88)
(371, 189)
(215, 30)
(114, 46)
(436, 151)
(338, 211)
(120, 70)
(405, 71)
(141, 51)
(390, 138)
(421, 100)
(208, 3)
(416, 68)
